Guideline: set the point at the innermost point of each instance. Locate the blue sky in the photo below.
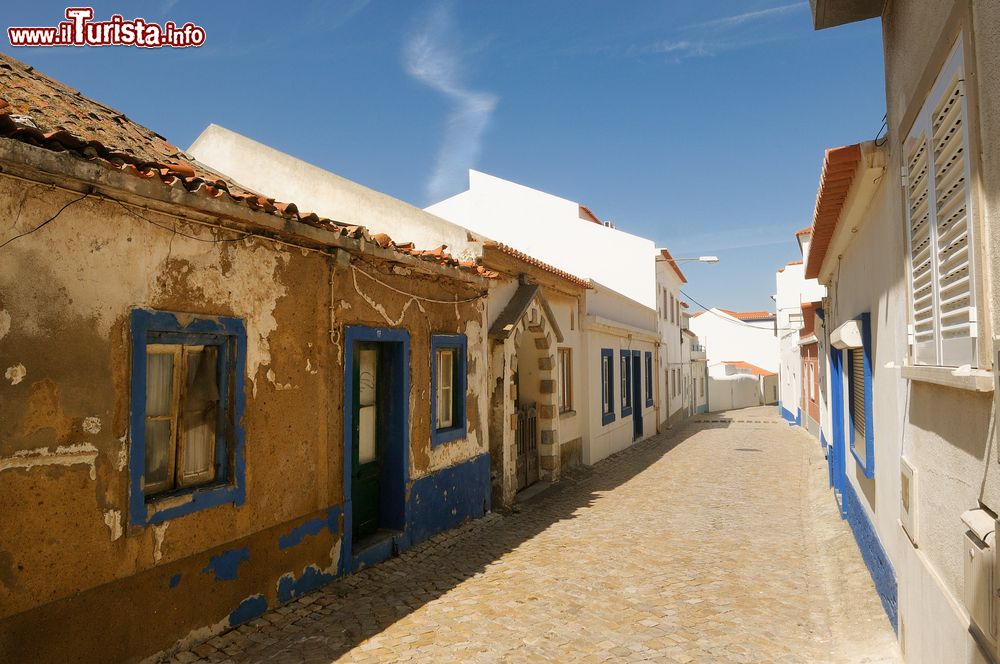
(700, 124)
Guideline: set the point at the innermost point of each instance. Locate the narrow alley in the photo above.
(650, 555)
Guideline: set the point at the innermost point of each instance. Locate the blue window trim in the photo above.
(649, 379)
(627, 356)
(609, 387)
(230, 335)
(461, 345)
(868, 463)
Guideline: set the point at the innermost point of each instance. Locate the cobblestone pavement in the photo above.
(718, 542)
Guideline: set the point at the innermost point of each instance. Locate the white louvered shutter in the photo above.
(939, 204)
(923, 275)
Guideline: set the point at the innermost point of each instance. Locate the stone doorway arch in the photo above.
(523, 371)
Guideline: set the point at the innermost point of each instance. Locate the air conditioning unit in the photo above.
(979, 545)
(908, 498)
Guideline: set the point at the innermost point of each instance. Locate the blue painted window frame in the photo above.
(608, 386)
(649, 379)
(230, 336)
(868, 463)
(626, 356)
(460, 344)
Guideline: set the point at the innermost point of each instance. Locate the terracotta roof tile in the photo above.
(587, 215)
(754, 369)
(749, 315)
(531, 260)
(43, 112)
(803, 231)
(670, 261)
(839, 167)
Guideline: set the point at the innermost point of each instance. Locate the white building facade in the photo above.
(796, 299)
(622, 336)
(902, 239)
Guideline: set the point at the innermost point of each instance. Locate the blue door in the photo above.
(637, 400)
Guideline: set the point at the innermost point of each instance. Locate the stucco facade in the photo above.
(798, 376)
(126, 259)
(935, 420)
(727, 339)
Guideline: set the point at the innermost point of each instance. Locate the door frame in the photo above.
(638, 399)
(396, 453)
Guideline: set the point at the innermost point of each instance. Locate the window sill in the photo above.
(567, 413)
(442, 436)
(172, 506)
(978, 380)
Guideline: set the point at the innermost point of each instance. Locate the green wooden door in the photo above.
(366, 439)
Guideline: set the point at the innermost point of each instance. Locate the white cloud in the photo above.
(432, 56)
(716, 36)
(740, 19)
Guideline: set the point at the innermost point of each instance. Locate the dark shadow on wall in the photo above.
(357, 607)
(958, 417)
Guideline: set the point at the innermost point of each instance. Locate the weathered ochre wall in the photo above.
(70, 565)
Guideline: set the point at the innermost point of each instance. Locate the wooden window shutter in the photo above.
(938, 206)
(858, 391)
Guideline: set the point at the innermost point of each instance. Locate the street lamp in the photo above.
(700, 259)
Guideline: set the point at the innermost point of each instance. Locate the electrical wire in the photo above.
(220, 240)
(174, 229)
(44, 223)
(416, 297)
(727, 319)
(881, 141)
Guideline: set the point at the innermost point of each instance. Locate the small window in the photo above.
(607, 386)
(666, 305)
(448, 380)
(182, 412)
(445, 388)
(701, 387)
(626, 380)
(565, 380)
(649, 379)
(672, 319)
(185, 432)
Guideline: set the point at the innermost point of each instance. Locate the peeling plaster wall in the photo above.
(66, 293)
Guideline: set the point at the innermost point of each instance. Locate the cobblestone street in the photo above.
(719, 542)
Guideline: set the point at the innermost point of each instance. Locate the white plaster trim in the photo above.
(601, 324)
(977, 380)
(68, 455)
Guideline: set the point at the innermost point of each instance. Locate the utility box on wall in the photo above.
(980, 588)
